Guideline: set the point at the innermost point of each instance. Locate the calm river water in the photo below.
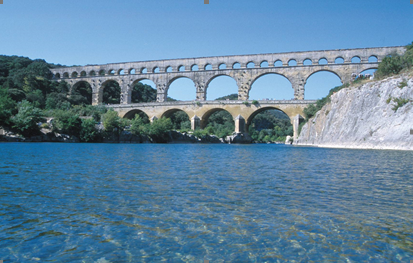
(190, 203)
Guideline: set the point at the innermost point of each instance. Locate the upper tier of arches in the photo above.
(294, 59)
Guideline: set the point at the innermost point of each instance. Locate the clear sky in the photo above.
(96, 32)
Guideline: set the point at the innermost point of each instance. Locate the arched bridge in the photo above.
(297, 67)
(198, 112)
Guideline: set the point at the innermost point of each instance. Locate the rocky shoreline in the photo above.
(126, 137)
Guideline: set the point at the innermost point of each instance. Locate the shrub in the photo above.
(402, 84)
(399, 103)
(68, 123)
(27, 118)
(88, 132)
(255, 102)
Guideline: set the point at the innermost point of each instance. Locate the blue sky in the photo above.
(95, 32)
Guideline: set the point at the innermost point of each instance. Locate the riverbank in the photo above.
(375, 115)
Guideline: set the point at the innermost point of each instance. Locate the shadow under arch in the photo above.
(205, 117)
(170, 112)
(184, 88)
(222, 76)
(131, 115)
(110, 90)
(84, 89)
(260, 110)
(285, 94)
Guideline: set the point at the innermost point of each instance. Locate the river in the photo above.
(194, 202)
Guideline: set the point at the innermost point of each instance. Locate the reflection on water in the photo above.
(187, 203)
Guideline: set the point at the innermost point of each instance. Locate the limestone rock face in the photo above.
(364, 117)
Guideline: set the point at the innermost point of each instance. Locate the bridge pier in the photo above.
(239, 124)
(295, 121)
(195, 123)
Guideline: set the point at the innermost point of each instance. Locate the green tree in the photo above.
(7, 107)
(143, 93)
(27, 118)
(110, 120)
(88, 132)
(67, 123)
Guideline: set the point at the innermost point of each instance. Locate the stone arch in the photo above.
(373, 59)
(222, 66)
(217, 76)
(328, 70)
(322, 61)
(131, 114)
(236, 65)
(356, 59)
(292, 62)
(339, 60)
(170, 82)
(57, 75)
(144, 70)
(194, 67)
(177, 119)
(168, 113)
(208, 67)
(181, 68)
(264, 64)
(86, 91)
(278, 63)
(92, 73)
(103, 86)
(319, 86)
(271, 73)
(251, 116)
(130, 94)
(250, 64)
(83, 73)
(205, 116)
(111, 72)
(132, 71)
(74, 74)
(65, 75)
(102, 72)
(307, 62)
(156, 70)
(121, 72)
(168, 69)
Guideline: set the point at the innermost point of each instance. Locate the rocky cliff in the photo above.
(365, 116)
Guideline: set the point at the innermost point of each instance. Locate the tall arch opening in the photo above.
(218, 122)
(179, 118)
(181, 88)
(111, 92)
(222, 88)
(132, 114)
(81, 93)
(319, 84)
(143, 91)
(271, 86)
(269, 125)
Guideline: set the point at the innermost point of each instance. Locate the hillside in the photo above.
(375, 115)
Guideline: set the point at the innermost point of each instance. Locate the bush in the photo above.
(67, 123)
(159, 129)
(394, 63)
(7, 107)
(27, 118)
(399, 103)
(88, 132)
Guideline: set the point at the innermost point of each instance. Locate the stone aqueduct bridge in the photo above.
(297, 67)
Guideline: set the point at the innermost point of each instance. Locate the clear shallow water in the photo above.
(186, 203)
